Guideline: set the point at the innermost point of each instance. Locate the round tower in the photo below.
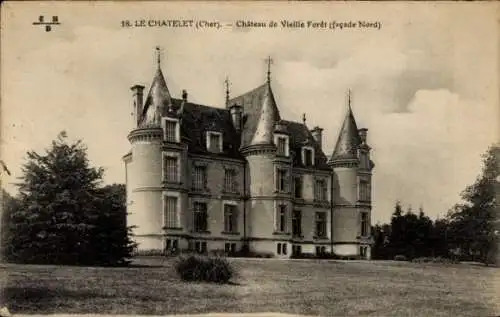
(268, 173)
(351, 184)
(148, 166)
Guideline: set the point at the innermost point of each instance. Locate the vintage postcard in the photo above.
(250, 158)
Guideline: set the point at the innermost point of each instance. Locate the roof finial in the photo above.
(227, 90)
(158, 57)
(269, 61)
(349, 98)
(304, 118)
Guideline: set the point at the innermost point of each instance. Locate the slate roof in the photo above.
(300, 136)
(260, 113)
(157, 101)
(348, 140)
(197, 120)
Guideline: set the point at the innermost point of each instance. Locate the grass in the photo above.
(308, 287)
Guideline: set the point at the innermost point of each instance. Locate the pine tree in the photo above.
(63, 214)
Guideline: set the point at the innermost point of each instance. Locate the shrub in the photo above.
(152, 252)
(204, 269)
(400, 257)
(435, 260)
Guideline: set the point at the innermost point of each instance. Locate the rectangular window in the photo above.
(281, 146)
(171, 169)
(281, 180)
(297, 223)
(320, 190)
(230, 218)
(214, 142)
(170, 131)
(362, 252)
(199, 177)
(230, 181)
(296, 249)
(308, 157)
(321, 224)
(365, 224)
(281, 219)
(298, 187)
(278, 248)
(172, 245)
(170, 212)
(200, 217)
(200, 247)
(364, 190)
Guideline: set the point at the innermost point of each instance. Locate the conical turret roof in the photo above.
(269, 115)
(348, 140)
(158, 100)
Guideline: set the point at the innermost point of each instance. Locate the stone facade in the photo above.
(220, 179)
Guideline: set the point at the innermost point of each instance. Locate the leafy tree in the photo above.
(473, 224)
(63, 216)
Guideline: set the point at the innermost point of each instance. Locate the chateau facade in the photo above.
(211, 178)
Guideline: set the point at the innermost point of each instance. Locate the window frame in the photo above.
(235, 216)
(286, 152)
(176, 138)
(324, 223)
(209, 141)
(177, 221)
(303, 156)
(195, 211)
(171, 155)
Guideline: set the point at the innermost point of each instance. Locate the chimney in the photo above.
(183, 103)
(137, 94)
(236, 112)
(317, 134)
(363, 134)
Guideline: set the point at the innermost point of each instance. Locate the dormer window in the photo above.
(214, 142)
(308, 156)
(171, 132)
(282, 145)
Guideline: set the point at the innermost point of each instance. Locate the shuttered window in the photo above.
(170, 212)
(199, 177)
(171, 169)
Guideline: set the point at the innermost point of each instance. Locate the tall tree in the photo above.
(60, 212)
(473, 225)
(397, 243)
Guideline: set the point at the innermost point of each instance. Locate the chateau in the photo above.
(209, 178)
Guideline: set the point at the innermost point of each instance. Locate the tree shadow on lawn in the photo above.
(44, 299)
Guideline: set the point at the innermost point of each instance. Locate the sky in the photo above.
(425, 84)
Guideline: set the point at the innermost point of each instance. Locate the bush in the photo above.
(400, 257)
(435, 260)
(204, 269)
(152, 252)
(325, 255)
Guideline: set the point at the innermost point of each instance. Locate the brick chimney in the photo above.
(317, 134)
(236, 114)
(363, 133)
(138, 97)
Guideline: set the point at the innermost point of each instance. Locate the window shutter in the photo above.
(235, 181)
(277, 179)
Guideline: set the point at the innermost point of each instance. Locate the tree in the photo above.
(473, 224)
(396, 238)
(63, 215)
(112, 227)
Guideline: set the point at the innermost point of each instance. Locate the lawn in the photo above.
(303, 287)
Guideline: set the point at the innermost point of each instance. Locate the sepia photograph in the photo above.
(235, 159)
